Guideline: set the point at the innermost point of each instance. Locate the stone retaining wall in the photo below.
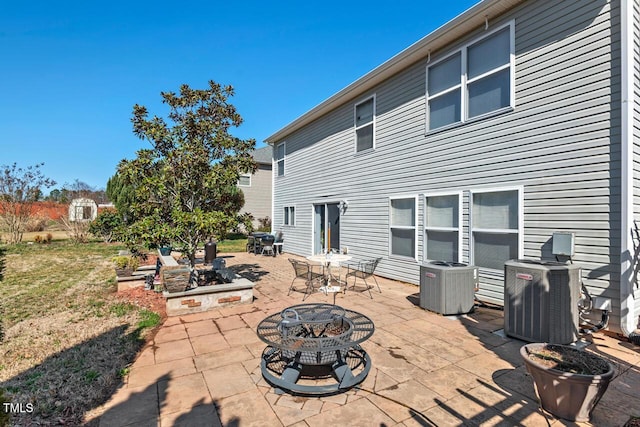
(204, 298)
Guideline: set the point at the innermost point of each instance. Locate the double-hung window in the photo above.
(495, 227)
(475, 81)
(364, 120)
(280, 155)
(442, 227)
(444, 92)
(289, 215)
(402, 227)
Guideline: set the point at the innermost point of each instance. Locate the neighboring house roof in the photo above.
(476, 17)
(263, 155)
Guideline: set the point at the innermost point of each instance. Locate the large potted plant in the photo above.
(569, 382)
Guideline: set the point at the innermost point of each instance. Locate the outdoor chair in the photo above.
(362, 270)
(304, 271)
(267, 244)
(279, 242)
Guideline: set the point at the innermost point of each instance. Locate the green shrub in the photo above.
(106, 225)
(126, 262)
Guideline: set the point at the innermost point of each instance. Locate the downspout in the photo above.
(274, 170)
(627, 303)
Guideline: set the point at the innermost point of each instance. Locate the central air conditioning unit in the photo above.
(448, 287)
(541, 301)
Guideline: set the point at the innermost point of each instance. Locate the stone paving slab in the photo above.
(149, 374)
(203, 369)
(132, 406)
(202, 327)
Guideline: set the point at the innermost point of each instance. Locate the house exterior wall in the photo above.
(560, 147)
(257, 196)
(636, 153)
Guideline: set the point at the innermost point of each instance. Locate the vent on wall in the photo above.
(448, 287)
(541, 301)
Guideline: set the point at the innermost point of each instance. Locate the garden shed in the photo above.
(83, 209)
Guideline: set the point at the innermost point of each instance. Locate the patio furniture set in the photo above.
(265, 243)
(319, 273)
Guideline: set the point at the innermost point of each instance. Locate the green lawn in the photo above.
(233, 243)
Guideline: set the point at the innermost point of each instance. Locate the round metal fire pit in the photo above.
(311, 341)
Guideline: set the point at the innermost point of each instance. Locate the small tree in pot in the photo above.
(185, 185)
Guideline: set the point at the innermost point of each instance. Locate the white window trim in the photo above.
(291, 223)
(416, 199)
(276, 160)
(425, 228)
(245, 175)
(464, 82)
(520, 231)
(373, 123)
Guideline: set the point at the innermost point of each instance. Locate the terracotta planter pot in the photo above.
(566, 395)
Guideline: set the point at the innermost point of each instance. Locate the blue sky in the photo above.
(71, 71)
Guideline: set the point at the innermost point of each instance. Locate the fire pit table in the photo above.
(315, 343)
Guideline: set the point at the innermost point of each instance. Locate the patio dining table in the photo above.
(329, 260)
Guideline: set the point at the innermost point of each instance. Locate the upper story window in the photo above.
(280, 155)
(442, 227)
(244, 180)
(364, 124)
(475, 81)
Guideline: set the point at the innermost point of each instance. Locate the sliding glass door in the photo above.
(326, 228)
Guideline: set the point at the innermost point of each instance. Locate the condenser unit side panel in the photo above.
(563, 313)
(431, 289)
(459, 288)
(526, 304)
(447, 290)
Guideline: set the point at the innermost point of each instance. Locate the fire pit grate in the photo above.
(312, 341)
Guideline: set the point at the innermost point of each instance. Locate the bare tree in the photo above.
(19, 190)
(77, 230)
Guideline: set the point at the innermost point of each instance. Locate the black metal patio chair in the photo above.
(304, 271)
(364, 270)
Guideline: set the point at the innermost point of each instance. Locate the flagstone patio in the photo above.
(427, 370)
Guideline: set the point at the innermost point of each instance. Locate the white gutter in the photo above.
(628, 321)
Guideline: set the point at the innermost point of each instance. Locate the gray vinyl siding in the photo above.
(561, 145)
(257, 197)
(636, 142)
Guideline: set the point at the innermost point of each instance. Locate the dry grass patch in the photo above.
(67, 340)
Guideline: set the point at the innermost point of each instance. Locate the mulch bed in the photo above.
(150, 300)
